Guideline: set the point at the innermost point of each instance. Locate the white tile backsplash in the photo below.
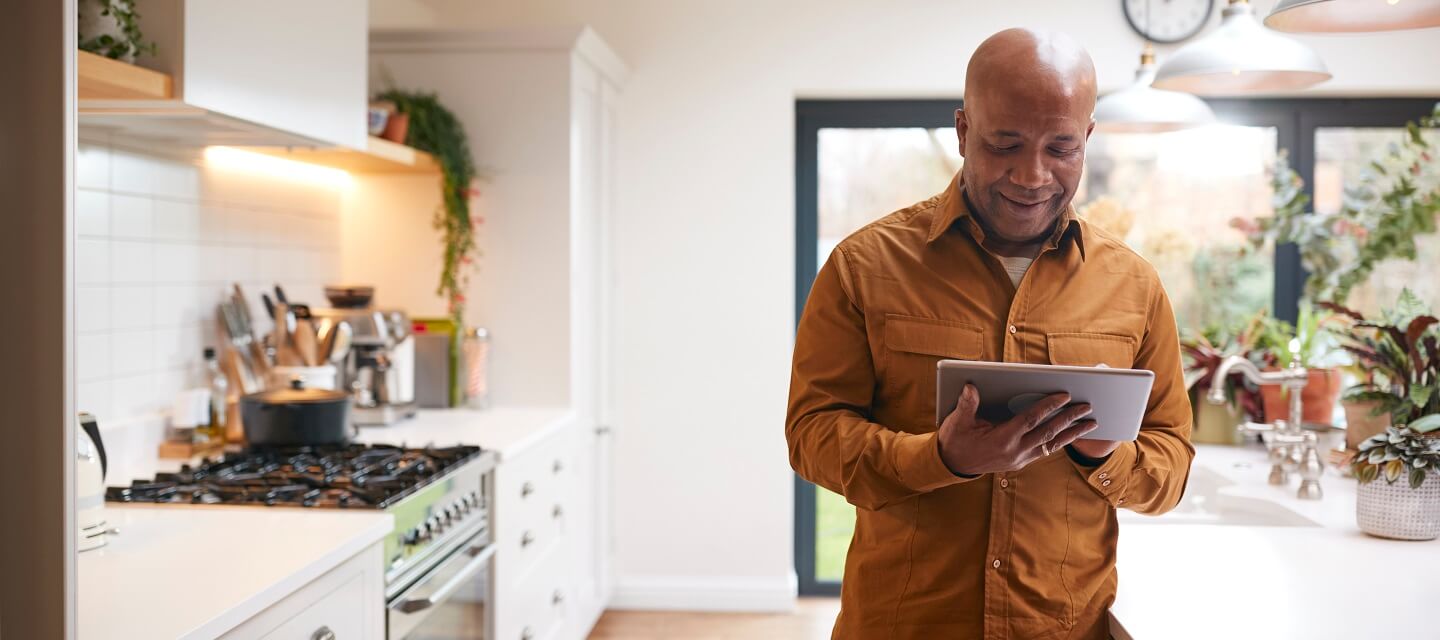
(159, 244)
(130, 216)
(131, 262)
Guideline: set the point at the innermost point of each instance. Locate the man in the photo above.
(980, 530)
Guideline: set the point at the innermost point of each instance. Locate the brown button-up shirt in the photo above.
(1022, 554)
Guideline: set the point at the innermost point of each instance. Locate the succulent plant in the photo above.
(1398, 450)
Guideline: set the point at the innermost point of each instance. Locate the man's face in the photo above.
(1024, 149)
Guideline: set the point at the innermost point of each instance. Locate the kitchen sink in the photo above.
(1205, 502)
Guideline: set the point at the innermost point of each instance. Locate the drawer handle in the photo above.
(526, 489)
(527, 539)
(558, 467)
(323, 633)
(557, 598)
(527, 634)
(557, 512)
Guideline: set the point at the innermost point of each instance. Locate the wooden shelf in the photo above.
(126, 100)
(100, 78)
(379, 156)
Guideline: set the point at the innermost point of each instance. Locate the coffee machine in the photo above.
(379, 371)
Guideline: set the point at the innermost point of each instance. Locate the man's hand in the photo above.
(971, 446)
(1095, 448)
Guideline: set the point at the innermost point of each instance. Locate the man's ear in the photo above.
(962, 127)
(1090, 129)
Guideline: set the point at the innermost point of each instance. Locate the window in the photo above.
(858, 160)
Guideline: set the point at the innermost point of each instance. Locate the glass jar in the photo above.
(475, 365)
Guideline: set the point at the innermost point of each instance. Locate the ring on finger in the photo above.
(1045, 447)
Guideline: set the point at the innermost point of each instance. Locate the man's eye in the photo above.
(1062, 152)
(1004, 149)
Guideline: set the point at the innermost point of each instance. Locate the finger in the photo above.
(965, 405)
(1033, 415)
(1051, 428)
(1075, 432)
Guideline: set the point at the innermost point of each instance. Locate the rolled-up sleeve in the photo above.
(832, 441)
(1148, 475)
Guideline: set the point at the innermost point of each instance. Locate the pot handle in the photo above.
(92, 429)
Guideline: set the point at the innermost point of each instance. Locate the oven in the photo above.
(451, 601)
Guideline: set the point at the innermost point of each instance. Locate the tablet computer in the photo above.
(1117, 396)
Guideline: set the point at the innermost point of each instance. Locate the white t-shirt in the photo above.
(1016, 267)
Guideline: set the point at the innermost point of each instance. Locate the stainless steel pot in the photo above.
(296, 417)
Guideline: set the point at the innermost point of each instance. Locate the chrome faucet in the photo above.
(1289, 446)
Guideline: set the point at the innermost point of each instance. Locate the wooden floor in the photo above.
(812, 620)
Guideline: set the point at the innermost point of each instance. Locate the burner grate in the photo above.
(354, 476)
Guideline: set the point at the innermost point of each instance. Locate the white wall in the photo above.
(159, 243)
(705, 234)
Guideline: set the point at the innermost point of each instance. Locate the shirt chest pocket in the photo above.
(1091, 349)
(912, 346)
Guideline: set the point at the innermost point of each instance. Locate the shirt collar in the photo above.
(952, 208)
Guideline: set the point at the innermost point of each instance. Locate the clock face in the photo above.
(1166, 21)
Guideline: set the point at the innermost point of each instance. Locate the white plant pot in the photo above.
(92, 25)
(1396, 511)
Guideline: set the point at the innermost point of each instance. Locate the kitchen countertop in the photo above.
(199, 571)
(505, 430)
(1328, 580)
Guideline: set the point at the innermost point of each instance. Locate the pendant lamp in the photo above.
(1142, 108)
(1241, 56)
(1353, 16)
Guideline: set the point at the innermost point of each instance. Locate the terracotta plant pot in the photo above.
(1319, 397)
(397, 126)
(1359, 424)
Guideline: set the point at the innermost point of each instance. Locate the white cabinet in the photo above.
(540, 108)
(348, 602)
(255, 72)
(535, 559)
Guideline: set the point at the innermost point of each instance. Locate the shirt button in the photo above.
(1105, 483)
(1104, 475)
(1004, 483)
(1012, 328)
(996, 563)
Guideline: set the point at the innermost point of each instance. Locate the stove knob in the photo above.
(411, 537)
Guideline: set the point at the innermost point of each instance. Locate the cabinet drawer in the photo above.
(347, 602)
(542, 598)
(527, 487)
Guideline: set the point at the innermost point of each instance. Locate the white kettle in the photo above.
(90, 465)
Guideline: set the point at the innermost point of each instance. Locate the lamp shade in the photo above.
(1241, 56)
(1142, 108)
(1353, 16)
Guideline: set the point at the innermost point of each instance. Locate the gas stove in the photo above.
(440, 497)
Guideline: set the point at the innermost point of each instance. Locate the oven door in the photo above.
(452, 601)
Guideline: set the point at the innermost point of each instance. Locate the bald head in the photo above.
(1029, 98)
(1045, 64)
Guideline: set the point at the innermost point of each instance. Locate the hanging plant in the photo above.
(434, 130)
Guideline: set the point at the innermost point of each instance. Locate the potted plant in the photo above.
(1202, 354)
(1385, 506)
(1315, 349)
(111, 28)
(1398, 361)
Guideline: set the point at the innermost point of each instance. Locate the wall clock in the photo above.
(1167, 21)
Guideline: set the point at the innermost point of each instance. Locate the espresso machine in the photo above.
(379, 371)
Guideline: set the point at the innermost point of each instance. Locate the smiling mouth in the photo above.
(1023, 205)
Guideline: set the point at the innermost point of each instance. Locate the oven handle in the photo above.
(481, 555)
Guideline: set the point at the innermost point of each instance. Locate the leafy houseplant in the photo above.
(1380, 216)
(1315, 348)
(1406, 512)
(1202, 354)
(1398, 359)
(111, 28)
(1397, 451)
(435, 130)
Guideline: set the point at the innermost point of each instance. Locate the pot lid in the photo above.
(296, 394)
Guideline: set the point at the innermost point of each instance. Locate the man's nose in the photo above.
(1030, 173)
